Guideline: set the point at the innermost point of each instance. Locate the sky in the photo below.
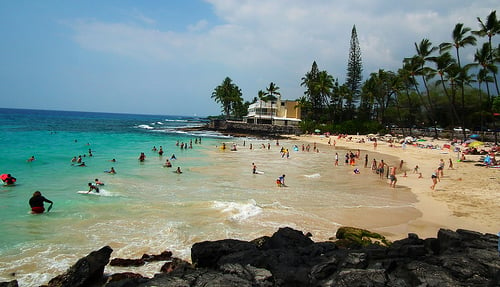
(166, 57)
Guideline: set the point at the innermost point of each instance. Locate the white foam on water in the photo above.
(147, 127)
(238, 211)
(314, 175)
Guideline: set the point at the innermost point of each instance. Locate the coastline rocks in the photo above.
(290, 258)
(86, 271)
(352, 237)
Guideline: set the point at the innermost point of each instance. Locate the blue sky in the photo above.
(166, 57)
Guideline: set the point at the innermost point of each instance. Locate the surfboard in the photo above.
(89, 193)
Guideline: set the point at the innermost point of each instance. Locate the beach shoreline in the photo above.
(465, 198)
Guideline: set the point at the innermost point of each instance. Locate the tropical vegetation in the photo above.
(434, 87)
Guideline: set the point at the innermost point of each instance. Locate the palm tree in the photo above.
(460, 40)
(228, 95)
(416, 66)
(271, 92)
(262, 98)
(489, 29)
(482, 58)
(464, 78)
(324, 86)
(444, 63)
(309, 82)
(483, 77)
(407, 82)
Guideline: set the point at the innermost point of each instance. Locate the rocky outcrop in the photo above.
(290, 258)
(87, 271)
(243, 128)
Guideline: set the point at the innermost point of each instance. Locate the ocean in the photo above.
(147, 208)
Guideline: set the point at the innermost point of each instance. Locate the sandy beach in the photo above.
(466, 197)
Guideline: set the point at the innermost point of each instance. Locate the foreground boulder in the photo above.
(290, 258)
(87, 271)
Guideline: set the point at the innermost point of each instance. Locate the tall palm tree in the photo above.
(464, 79)
(489, 28)
(324, 86)
(482, 58)
(408, 82)
(483, 77)
(460, 39)
(444, 62)
(418, 67)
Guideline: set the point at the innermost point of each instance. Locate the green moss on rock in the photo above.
(353, 237)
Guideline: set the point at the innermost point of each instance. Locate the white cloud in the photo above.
(263, 41)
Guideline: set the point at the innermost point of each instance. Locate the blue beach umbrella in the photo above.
(474, 136)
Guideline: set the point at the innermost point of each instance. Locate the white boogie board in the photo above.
(101, 192)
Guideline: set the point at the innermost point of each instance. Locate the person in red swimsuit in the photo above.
(36, 202)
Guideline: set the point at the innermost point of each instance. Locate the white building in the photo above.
(277, 112)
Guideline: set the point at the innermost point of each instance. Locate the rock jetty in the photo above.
(290, 258)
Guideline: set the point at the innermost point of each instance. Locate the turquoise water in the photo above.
(146, 208)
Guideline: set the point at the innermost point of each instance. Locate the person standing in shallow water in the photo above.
(36, 203)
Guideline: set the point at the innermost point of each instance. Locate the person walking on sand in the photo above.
(254, 168)
(36, 203)
(381, 168)
(393, 178)
(336, 159)
(441, 168)
(434, 178)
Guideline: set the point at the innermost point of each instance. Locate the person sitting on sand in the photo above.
(178, 170)
(36, 203)
(93, 187)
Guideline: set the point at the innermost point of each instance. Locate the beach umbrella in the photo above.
(476, 144)
(474, 136)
